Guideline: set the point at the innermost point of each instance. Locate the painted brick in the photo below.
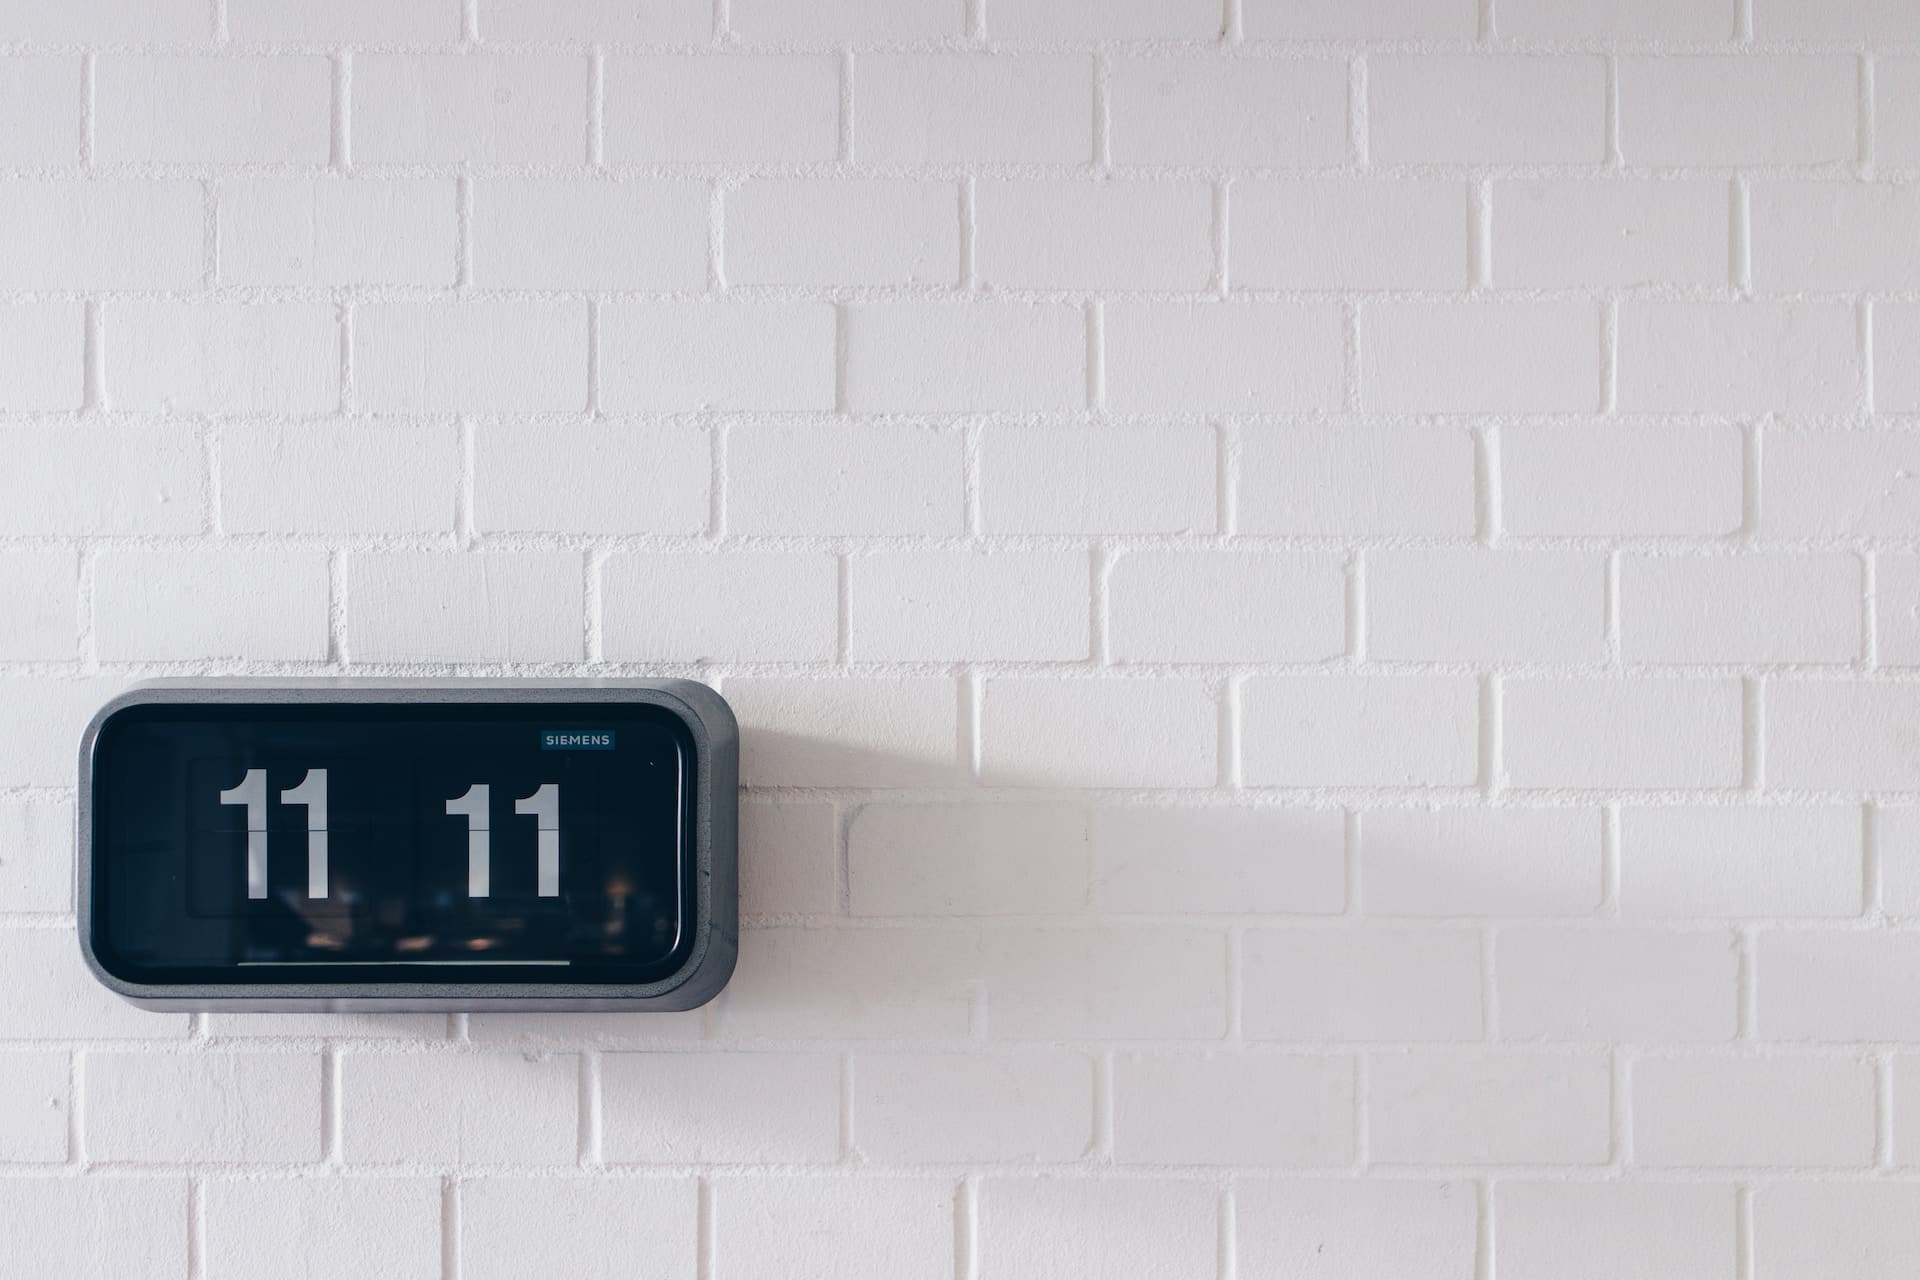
(63, 1217)
(339, 478)
(1017, 1105)
(1476, 109)
(1792, 1112)
(1241, 1109)
(1344, 233)
(473, 108)
(1079, 1229)
(155, 109)
(863, 20)
(240, 1108)
(1155, 733)
(1120, 983)
(1077, 20)
(598, 478)
(496, 606)
(1595, 1231)
(777, 606)
(1358, 1230)
(40, 110)
(1749, 608)
(1719, 860)
(1896, 387)
(1609, 732)
(246, 604)
(42, 349)
(605, 21)
(415, 357)
(1488, 1107)
(1825, 484)
(1226, 606)
(1868, 1229)
(33, 1121)
(538, 233)
(1896, 111)
(1466, 604)
(1898, 839)
(967, 860)
(418, 22)
(326, 232)
(1634, 985)
(222, 357)
(60, 708)
(1357, 481)
(338, 1227)
(1746, 110)
(1504, 357)
(66, 478)
(421, 1027)
(609, 1228)
(1904, 1102)
(1679, 20)
(1896, 617)
(942, 357)
(1214, 357)
(953, 605)
(1842, 735)
(1395, 984)
(42, 590)
(1836, 986)
(1834, 236)
(852, 984)
(1042, 233)
(459, 1108)
(36, 855)
(682, 1108)
(1111, 479)
(832, 479)
(1200, 861)
(1360, 20)
(1874, 20)
(664, 357)
(734, 110)
(914, 109)
(67, 233)
(1613, 233)
(1480, 862)
(1344, 730)
(1677, 481)
(1240, 112)
(832, 232)
(789, 857)
(1740, 358)
(847, 732)
(165, 22)
(817, 1226)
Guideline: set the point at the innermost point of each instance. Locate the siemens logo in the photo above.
(565, 740)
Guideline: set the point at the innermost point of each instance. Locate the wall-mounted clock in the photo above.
(337, 845)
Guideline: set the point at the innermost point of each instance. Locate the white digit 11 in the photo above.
(543, 806)
(251, 792)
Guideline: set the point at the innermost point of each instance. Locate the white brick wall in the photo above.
(1324, 595)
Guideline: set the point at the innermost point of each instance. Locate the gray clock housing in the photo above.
(713, 835)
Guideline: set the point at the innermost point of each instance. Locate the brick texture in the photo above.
(1323, 598)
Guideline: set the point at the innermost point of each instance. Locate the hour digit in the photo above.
(544, 805)
(312, 792)
(474, 805)
(252, 792)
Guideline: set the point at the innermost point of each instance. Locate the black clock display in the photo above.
(350, 846)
